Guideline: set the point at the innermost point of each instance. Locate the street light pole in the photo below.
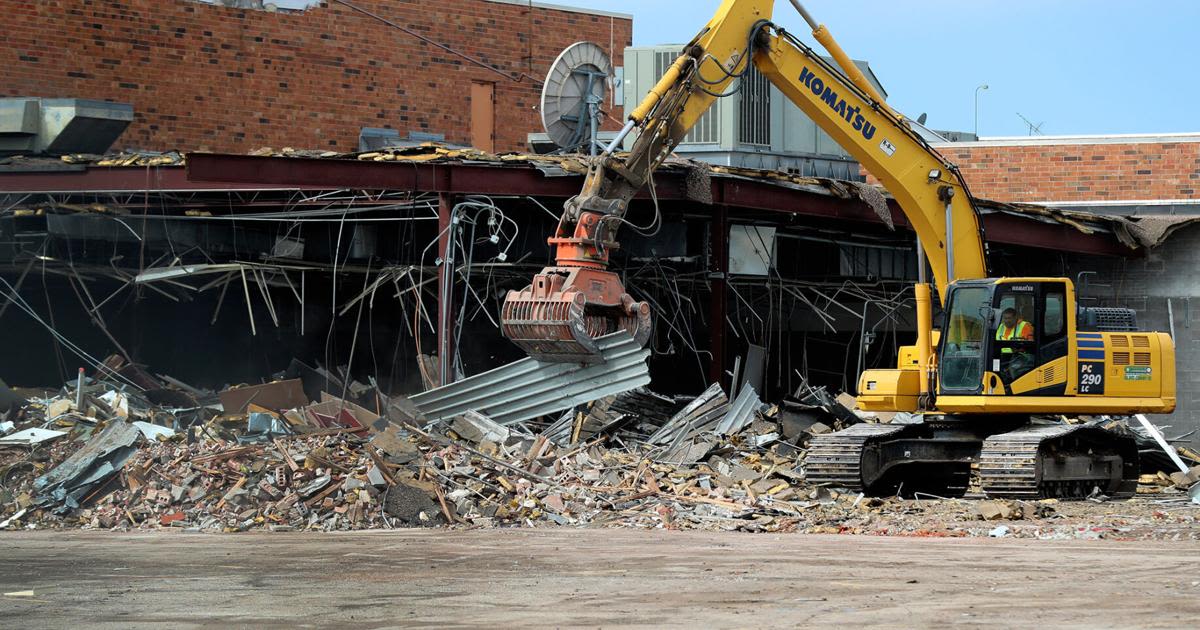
(977, 90)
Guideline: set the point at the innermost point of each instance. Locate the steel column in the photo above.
(718, 267)
(445, 292)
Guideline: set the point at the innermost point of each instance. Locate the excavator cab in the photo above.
(999, 332)
(1023, 345)
(1016, 345)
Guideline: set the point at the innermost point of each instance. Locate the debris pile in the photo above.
(264, 456)
(288, 455)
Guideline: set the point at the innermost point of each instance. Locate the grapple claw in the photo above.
(558, 317)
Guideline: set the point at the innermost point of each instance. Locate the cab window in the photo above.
(1014, 353)
(1052, 338)
(1054, 314)
(965, 331)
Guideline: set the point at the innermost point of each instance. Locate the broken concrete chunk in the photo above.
(1186, 480)
(998, 510)
(375, 478)
(315, 486)
(475, 427)
(554, 502)
(819, 428)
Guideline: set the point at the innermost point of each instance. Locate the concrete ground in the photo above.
(588, 578)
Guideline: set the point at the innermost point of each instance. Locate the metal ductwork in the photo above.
(59, 126)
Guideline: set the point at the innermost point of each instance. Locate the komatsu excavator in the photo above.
(1009, 349)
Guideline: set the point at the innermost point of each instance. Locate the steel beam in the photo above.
(216, 172)
(319, 173)
(1014, 230)
(99, 179)
(734, 192)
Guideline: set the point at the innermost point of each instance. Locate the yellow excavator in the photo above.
(1009, 350)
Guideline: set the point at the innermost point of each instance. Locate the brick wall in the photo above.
(204, 77)
(1073, 171)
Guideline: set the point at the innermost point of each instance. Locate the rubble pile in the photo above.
(288, 455)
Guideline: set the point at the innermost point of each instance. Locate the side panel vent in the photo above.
(755, 112)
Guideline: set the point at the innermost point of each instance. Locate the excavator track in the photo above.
(1058, 461)
(836, 458)
(1030, 462)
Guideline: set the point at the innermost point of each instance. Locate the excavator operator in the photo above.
(1015, 358)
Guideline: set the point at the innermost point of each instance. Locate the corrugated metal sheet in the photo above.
(708, 406)
(65, 486)
(741, 413)
(527, 389)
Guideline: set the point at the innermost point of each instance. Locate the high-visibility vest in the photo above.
(1004, 333)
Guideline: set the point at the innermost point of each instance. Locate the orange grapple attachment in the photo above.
(558, 317)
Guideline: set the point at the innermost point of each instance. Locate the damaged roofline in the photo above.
(728, 190)
(243, 173)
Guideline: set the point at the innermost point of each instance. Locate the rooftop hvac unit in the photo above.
(58, 126)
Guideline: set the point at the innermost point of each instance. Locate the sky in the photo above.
(1070, 66)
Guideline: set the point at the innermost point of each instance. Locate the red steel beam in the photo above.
(101, 179)
(318, 173)
(1014, 230)
(736, 193)
(206, 171)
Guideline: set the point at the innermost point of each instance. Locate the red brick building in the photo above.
(1094, 171)
(206, 77)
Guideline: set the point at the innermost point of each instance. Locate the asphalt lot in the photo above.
(589, 578)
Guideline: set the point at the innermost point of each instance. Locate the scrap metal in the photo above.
(527, 388)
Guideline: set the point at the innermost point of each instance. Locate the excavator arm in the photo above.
(928, 188)
(568, 305)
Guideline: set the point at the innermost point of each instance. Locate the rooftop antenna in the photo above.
(1034, 129)
(571, 97)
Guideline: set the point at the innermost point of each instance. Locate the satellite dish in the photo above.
(575, 88)
(922, 118)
